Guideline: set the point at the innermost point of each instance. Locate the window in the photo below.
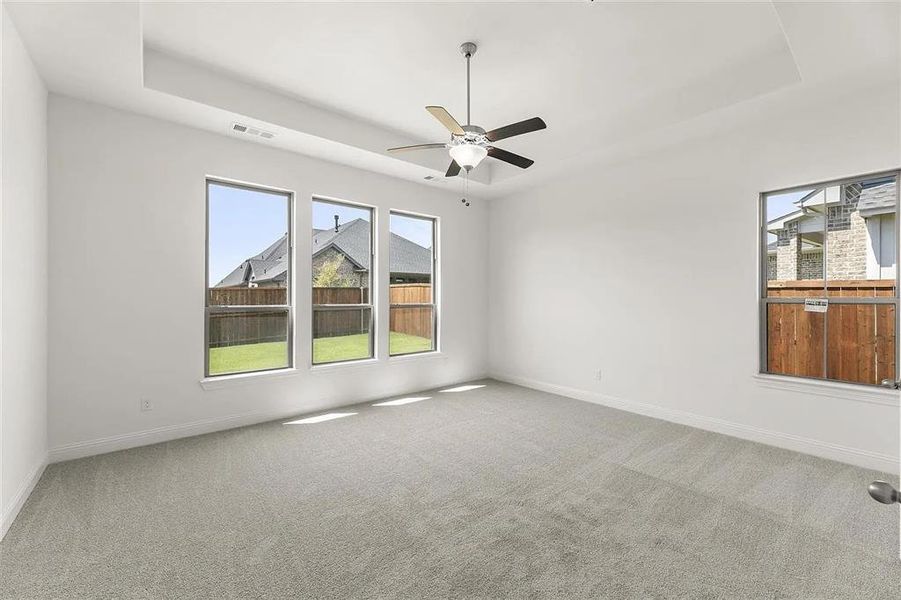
(342, 260)
(411, 262)
(248, 301)
(829, 297)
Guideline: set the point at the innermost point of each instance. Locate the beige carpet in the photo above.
(496, 492)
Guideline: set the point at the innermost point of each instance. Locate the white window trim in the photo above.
(373, 289)
(865, 390)
(831, 389)
(290, 294)
(217, 382)
(436, 286)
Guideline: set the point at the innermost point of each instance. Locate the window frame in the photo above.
(434, 305)
(373, 286)
(289, 295)
(764, 300)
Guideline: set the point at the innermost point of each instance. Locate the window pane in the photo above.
(795, 234)
(248, 253)
(411, 294)
(248, 341)
(248, 264)
(341, 334)
(411, 330)
(861, 238)
(795, 341)
(861, 342)
(342, 249)
(341, 255)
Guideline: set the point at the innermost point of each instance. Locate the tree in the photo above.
(329, 274)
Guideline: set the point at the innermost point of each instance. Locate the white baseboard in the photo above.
(156, 435)
(845, 454)
(168, 433)
(10, 514)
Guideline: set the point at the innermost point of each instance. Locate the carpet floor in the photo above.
(494, 492)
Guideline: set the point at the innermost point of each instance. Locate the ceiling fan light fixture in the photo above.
(470, 144)
(468, 155)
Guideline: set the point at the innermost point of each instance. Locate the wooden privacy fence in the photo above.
(348, 295)
(335, 322)
(248, 296)
(235, 328)
(239, 327)
(412, 320)
(849, 342)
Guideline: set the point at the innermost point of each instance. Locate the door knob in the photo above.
(882, 491)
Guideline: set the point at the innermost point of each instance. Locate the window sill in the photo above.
(402, 358)
(831, 389)
(238, 379)
(344, 365)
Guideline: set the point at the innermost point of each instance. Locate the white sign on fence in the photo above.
(819, 305)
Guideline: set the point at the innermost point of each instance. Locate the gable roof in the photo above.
(270, 265)
(351, 239)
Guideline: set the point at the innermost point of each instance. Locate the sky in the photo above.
(778, 205)
(418, 231)
(324, 214)
(242, 223)
(245, 222)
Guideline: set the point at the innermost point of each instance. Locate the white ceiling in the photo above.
(344, 81)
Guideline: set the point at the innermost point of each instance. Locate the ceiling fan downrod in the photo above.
(468, 49)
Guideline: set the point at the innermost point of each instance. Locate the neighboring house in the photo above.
(856, 227)
(269, 268)
(408, 262)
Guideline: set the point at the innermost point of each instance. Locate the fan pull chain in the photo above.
(465, 188)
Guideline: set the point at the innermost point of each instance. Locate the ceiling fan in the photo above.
(469, 143)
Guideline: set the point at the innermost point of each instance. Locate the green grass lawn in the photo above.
(274, 355)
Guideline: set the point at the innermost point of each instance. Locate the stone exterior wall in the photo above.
(846, 238)
(771, 266)
(346, 270)
(788, 250)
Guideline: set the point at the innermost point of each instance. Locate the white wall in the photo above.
(647, 270)
(23, 299)
(127, 224)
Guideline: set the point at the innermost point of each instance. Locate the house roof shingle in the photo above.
(877, 199)
(269, 265)
(351, 239)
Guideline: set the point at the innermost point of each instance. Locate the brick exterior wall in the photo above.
(346, 270)
(811, 265)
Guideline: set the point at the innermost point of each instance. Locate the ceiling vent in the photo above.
(247, 129)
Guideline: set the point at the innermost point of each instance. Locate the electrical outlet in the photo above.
(146, 404)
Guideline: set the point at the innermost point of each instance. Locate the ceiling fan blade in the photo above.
(416, 147)
(514, 159)
(453, 170)
(527, 126)
(440, 113)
